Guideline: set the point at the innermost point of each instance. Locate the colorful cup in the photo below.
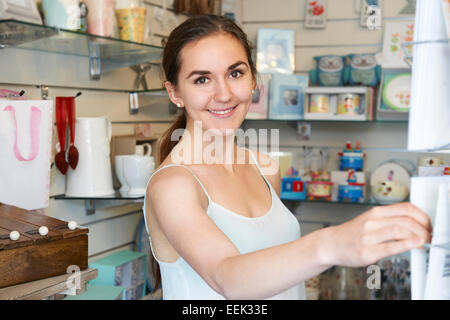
(131, 22)
(348, 104)
(319, 103)
(64, 14)
(100, 17)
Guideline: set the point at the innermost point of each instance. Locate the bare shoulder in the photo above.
(173, 184)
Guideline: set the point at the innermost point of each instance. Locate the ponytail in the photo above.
(166, 144)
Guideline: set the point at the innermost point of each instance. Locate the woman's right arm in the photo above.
(380, 232)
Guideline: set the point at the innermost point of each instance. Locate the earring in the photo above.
(253, 92)
(179, 105)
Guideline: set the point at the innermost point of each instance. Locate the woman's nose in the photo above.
(223, 92)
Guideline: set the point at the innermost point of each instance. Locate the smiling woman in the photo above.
(218, 228)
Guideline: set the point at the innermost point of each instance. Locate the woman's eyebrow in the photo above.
(205, 72)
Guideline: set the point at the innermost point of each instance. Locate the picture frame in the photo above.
(316, 12)
(371, 14)
(260, 101)
(275, 51)
(21, 10)
(286, 97)
(395, 34)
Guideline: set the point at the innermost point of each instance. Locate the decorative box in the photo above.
(33, 256)
(126, 269)
(351, 190)
(286, 98)
(351, 159)
(339, 103)
(293, 188)
(340, 180)
(428, 171)
(394, 95)
(98, 292)
(320, 186)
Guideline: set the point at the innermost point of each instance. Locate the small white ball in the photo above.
(14, 235)
(72, 225)
(43, 231)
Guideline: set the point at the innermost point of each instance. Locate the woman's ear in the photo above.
(172, 93)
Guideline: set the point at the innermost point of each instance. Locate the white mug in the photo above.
(137, 171)
(140, 149)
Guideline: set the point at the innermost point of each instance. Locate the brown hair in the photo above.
(192, 29)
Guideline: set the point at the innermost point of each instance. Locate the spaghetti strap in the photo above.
(259, 168)
(183, 166)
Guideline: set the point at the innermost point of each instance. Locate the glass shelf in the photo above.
(105, 54)
(90, 201)
(335, 121)
(364, 203)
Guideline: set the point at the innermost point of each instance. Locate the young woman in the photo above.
(218, 227)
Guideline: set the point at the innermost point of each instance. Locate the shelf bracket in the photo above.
(94, 61)
(89, 204)
(141, 70)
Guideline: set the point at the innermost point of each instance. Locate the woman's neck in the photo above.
(199, 146)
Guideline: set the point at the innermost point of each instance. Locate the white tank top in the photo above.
(179, 281)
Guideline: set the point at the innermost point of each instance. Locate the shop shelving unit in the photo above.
(105, 54)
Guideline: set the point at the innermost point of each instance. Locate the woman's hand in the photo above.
(380, 232)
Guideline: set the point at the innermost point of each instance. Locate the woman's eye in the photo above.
(201, 80)
(236, 74)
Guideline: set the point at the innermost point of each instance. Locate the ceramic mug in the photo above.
(319, 103)
(131, 20)
(64, 14)
(348, 104)
(137, 171)
(140, 149)
(101, 17)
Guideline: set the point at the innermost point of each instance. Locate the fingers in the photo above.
(391, 233)
(397, 228)
(403, 209)
(391, 248)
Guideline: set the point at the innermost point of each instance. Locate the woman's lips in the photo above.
(223, 113)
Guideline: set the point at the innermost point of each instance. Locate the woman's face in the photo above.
(215, 83)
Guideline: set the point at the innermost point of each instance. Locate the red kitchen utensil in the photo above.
(73, 151)
(61, 126)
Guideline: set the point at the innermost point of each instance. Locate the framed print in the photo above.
(287, 96)
(316, 14)
(259, 107)
(275, 51)
(21, 10)
(395, 34)
(371, 14)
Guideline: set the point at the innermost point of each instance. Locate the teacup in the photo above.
(136, 172)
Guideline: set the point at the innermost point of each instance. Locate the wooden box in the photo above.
(32, 256)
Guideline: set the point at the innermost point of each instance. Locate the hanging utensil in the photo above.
(73, 151)
(61, 125)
